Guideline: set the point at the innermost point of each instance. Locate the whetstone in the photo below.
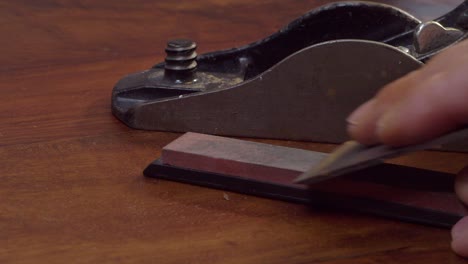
(266, 170)
(263, 162)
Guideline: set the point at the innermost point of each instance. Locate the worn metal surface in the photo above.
(297, 84)
(307, 96)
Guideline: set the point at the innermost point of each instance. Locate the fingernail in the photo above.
(361, 113)
(385, 122)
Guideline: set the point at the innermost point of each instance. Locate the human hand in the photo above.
(420, 106)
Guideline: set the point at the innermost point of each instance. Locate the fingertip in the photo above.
(358, 116)
(362, 136)
(460, 247)
(460, 237)
(361, 123)
(460, 230)
(387, 128)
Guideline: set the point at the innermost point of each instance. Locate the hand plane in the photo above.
(297, 84)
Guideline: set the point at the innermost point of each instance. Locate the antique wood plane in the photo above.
(297, 84)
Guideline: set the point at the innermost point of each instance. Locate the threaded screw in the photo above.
(181, 59)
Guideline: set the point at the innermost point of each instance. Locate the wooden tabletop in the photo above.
(71, 183)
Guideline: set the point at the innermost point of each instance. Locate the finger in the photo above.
(460, 230)
(460, 237)
(419, 106)
(362, 123)
(437, 105)
(449, 57)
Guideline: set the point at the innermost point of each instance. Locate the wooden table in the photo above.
(71, 183)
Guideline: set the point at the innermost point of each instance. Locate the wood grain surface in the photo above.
(71, 183)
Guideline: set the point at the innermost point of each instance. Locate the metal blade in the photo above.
(352, 156)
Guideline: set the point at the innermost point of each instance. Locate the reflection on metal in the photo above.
(431, 36)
